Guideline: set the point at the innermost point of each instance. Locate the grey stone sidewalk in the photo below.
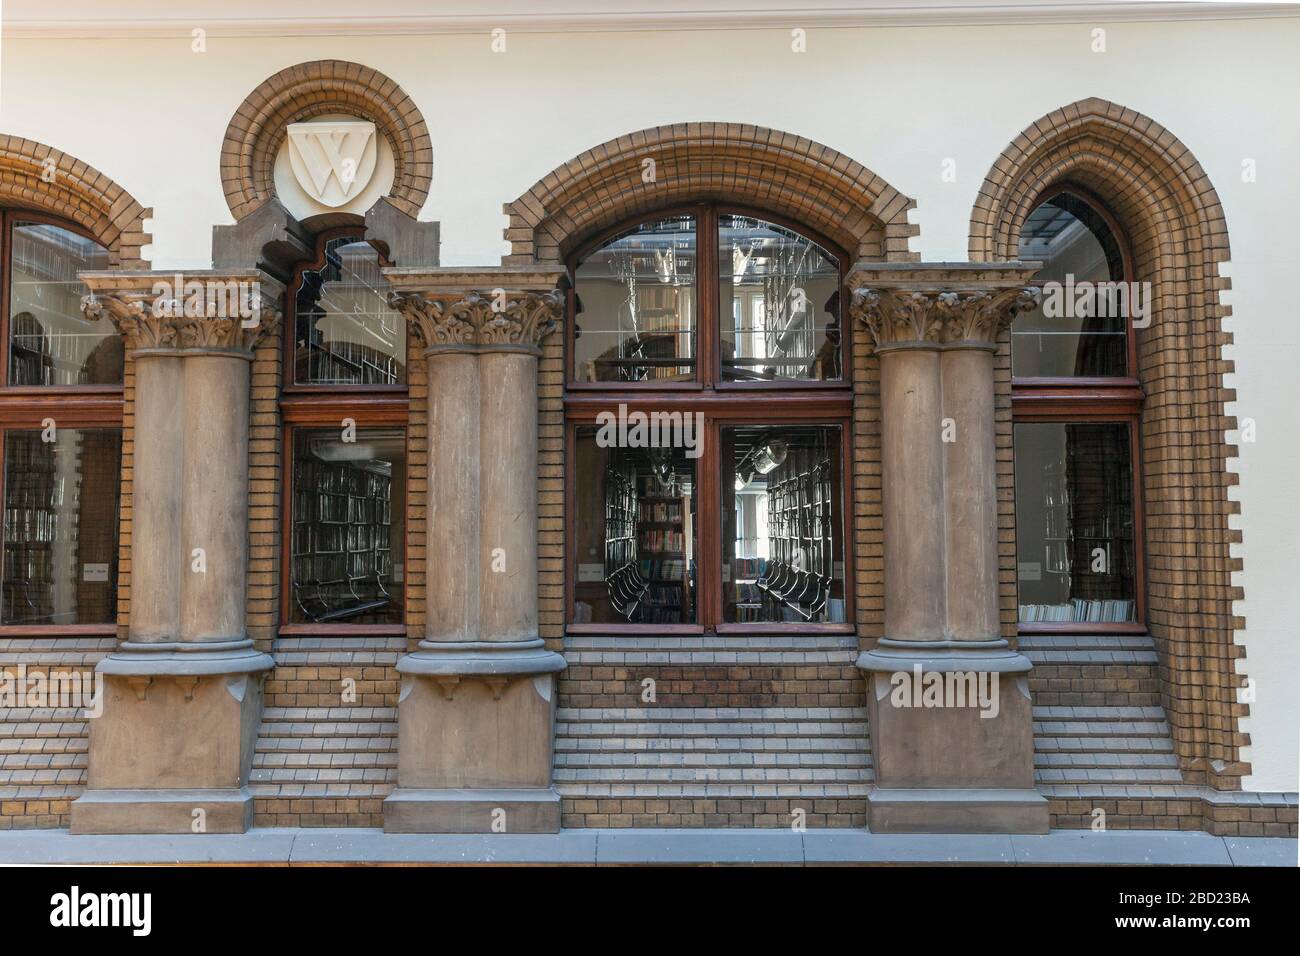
(306, 847)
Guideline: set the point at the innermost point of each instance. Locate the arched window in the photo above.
(708, 408)
(344, 406)
(1076, 406)
(61, 418)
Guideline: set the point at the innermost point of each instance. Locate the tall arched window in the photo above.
(61, 418)
(708, 408)
(344, 406)
(1076, 405)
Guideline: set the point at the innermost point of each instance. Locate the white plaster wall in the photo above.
(151, 115)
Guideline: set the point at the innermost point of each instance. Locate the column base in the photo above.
(952, 738)
(472, 811)
(475, 728)
(175, 736)
(957, 811)
(163, 811)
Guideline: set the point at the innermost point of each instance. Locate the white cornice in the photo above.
(29, 18)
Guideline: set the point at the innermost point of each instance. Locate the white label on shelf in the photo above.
(726, 573)
(839, 569)
(1029, 571)
(94, 572)
(588, 573)
(398, 570)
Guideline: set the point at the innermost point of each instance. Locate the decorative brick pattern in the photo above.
(38, 176)
(265, 457)
(740, 732)
(319, 88)
(417, 485)
(1178, 232)
(778, 172)
(127, 497)
(326, 752)
(43, 749)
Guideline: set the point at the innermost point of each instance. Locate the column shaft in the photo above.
(912, 455)
(215, 479)
(452, 610)
(156, 559)
(508, 563)
(971, 492)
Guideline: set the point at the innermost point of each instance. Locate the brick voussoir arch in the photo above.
(780, 172)
(313, 89)
(1178, 233)
(39, 177)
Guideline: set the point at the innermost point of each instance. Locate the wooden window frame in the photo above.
(325, 406)
(722, 403)
(1092, 399)
(26, 407)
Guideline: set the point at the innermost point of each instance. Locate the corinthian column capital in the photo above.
(940, 304)
(206, 311)
(479, 309)
(478, 319)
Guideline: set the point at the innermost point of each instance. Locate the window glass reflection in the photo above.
(636, 306)
(349, 509)
(782, 532)
(635, 528)
(346, 334)
(1074, 522)
(50, 341)
(1077, 335)
(60, 526)
(778, 301)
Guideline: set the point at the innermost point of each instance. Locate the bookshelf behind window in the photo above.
(342, 540)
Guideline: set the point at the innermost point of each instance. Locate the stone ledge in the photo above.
(285, 846)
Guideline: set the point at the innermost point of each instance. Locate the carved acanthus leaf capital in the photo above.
(899, 315)
(477, 319)
(210, 314)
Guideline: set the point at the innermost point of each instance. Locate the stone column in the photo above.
(948, 698)
(476, 711)
(182, 694)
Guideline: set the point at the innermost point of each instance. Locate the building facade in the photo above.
(506, 422)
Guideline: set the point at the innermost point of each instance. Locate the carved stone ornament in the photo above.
(146, 320)
(480, 319)
(895, 316)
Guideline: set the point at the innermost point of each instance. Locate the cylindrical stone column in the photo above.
(454, 497)
(508, 557)
(912, 452)
(214, 472)
(156, 559)
(971, 492)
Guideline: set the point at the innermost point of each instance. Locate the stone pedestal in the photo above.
(947, 697)
(476, 713)
(172, 749)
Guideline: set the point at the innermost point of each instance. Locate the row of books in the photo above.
(662, 511)
(655, 539)
(748, 568)
(663, 570)
(663, 595)
(1098, 611)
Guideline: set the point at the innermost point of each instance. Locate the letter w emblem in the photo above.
(332, 160)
